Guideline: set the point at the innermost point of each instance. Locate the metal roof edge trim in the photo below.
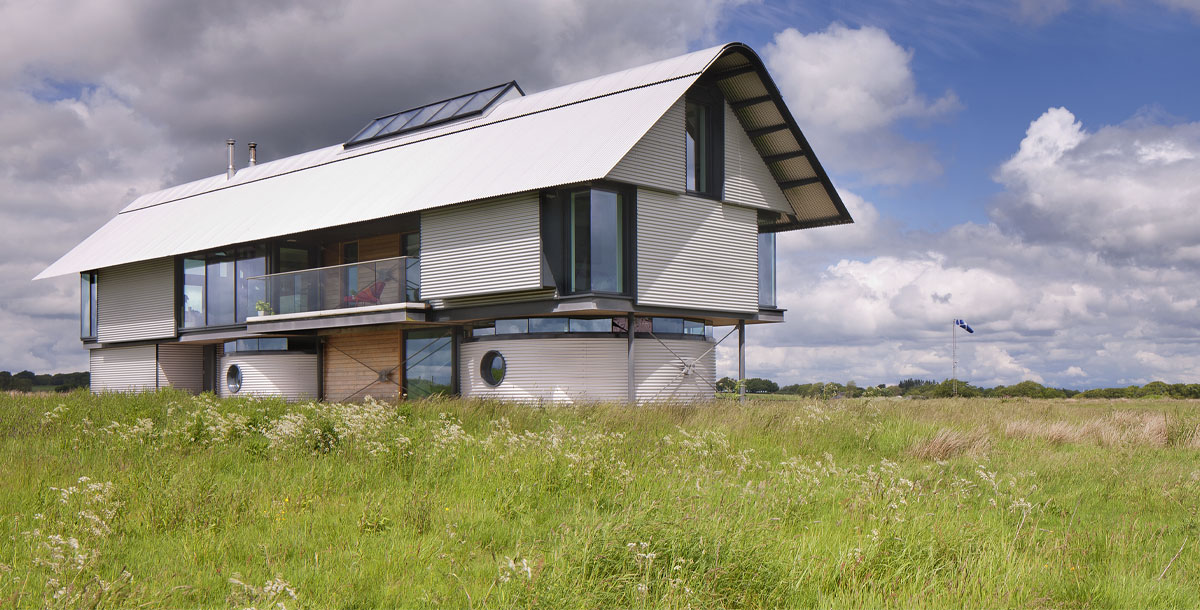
(773, 90)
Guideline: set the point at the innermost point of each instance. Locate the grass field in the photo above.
(167, 500)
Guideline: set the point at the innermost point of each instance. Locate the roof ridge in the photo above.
(450, 129)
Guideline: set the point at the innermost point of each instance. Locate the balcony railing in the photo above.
(385, 281)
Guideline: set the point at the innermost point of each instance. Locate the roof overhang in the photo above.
(755, 99)
(571, 134)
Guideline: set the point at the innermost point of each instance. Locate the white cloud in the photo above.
(849, 89)
(1087, 276)
(1041, 12)
(1126, 192)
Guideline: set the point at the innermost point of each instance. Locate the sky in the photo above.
(1032, 166)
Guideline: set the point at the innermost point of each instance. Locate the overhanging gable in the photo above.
(756, 102)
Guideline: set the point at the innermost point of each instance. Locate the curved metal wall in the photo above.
(292, 375)
(585, 369)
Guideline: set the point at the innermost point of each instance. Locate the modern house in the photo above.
(589, 242)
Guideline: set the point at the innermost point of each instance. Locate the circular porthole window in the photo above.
(233, 379)
(492, 368)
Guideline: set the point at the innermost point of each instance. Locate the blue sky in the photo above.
(1030, 166)
(1105, 62)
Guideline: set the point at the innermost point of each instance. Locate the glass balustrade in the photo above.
(379, 282)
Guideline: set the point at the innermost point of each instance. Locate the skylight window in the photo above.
(437, 113)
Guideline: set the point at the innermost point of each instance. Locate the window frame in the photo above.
(773, 301)
(713, 101)
(556, 238)
(90, 321)
(232, 255)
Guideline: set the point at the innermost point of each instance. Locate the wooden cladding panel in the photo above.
(352, 362)
(380, 246)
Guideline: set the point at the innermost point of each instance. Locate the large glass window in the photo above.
(548, 325)
(676, 327)
(250, 293)
(591, 325)
(87, 305)
(428, 362)
(697, 146)
(193, 293)
(350, 273)
(704, 126)
(297, 292)
(216, 290)
(596, 242)
(512, 327)
(766, 269)
(219, 290)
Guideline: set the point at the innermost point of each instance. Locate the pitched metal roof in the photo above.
(574, 133)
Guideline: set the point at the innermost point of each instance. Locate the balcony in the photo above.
(371, 292)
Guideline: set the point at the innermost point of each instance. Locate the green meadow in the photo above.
(172, 501)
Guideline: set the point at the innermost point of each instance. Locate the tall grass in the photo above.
(168, 500)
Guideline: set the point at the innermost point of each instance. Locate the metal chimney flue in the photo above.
(231, 170)
(253, 154)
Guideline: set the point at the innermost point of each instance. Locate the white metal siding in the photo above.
(291, 375)
(494, 299)
(658, 159)
(661, 376)
(136, 301)
(482, 248)
(583, 369)
(695, 252)
(181, 366)
(564, 369)
(748, 180)
(123, 369)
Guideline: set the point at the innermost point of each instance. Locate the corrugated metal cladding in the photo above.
(495, 299)
(572, 370)
(549, 370)
(695, 252)
(563, 145)
(812, 202)
(748, 180)
(181, 366)
(576, 133)
(661, 376)
(483, 248)
(600, 86)
(136, 301)
(123, 369)
(291, 375)
(658, 159)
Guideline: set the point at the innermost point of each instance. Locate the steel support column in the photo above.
(455, 347)
(631, 388)
(742, 360)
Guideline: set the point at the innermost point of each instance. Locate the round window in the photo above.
(492, 368)
(233, 379)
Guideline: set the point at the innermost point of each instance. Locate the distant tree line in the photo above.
(929, 388)
(28, 381)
